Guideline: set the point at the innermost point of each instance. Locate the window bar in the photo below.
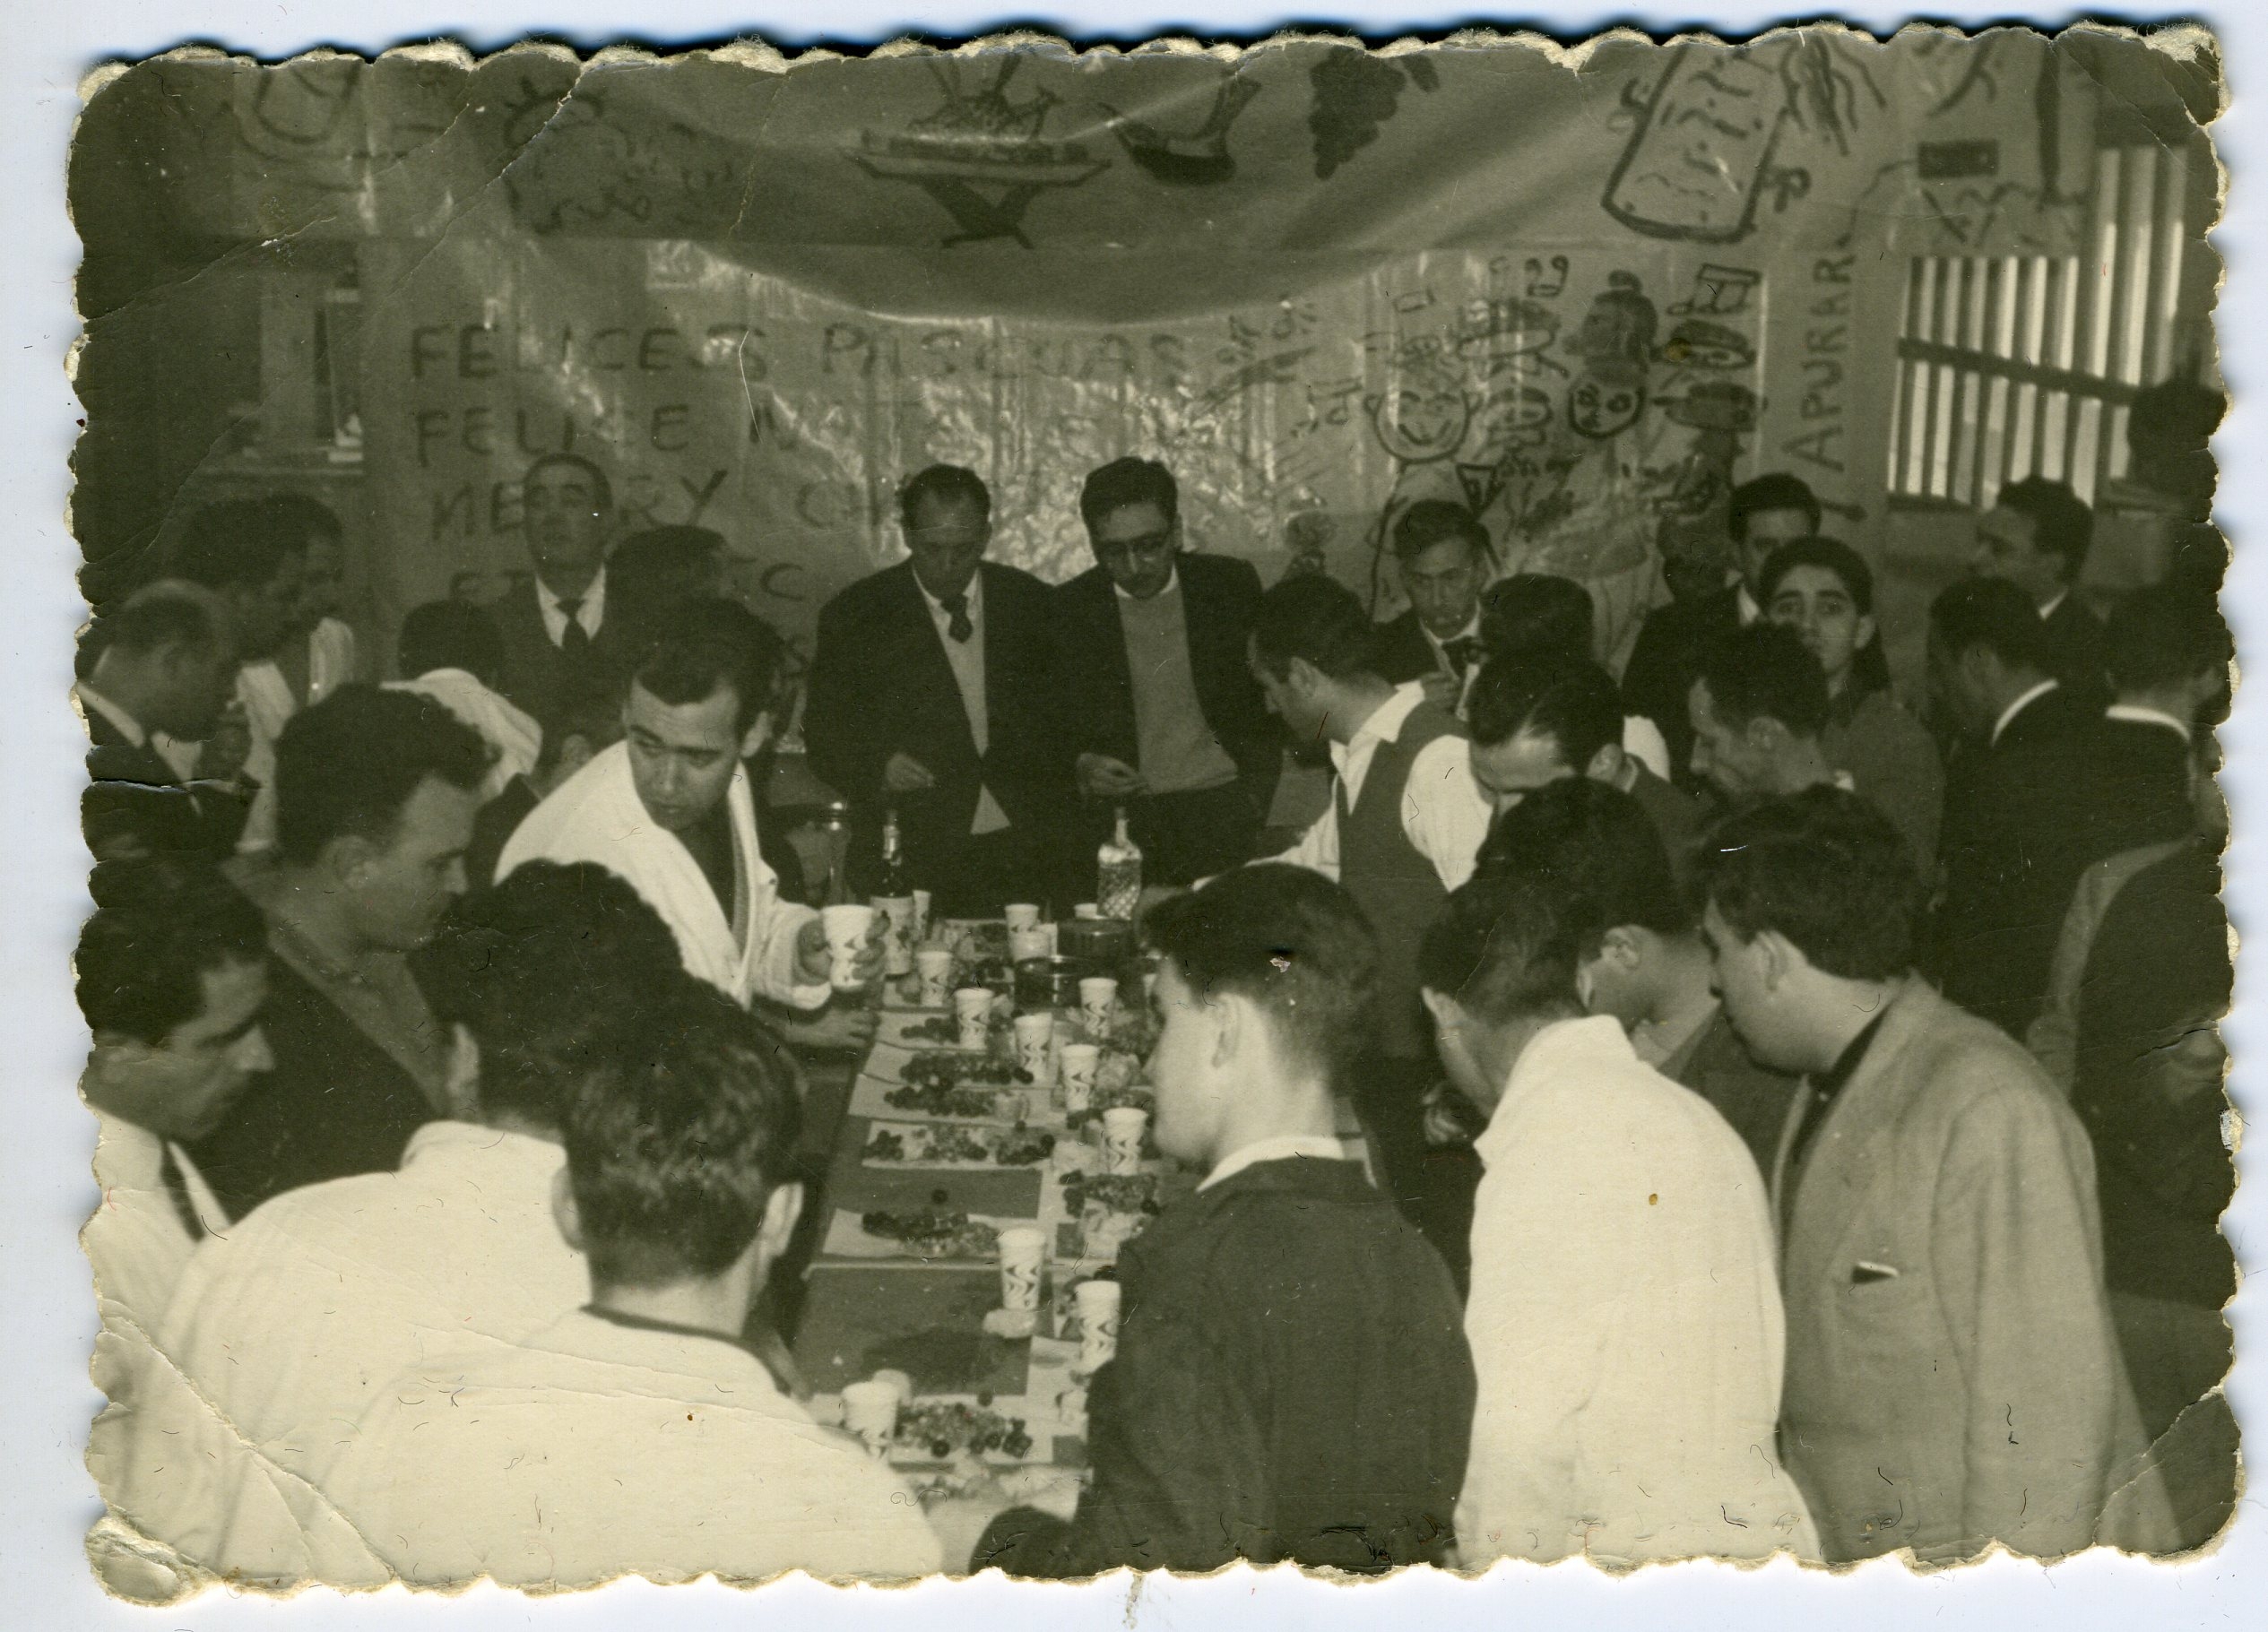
(1952, 278)
(2023, 451)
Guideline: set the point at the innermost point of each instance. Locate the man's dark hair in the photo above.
(348, 765)
(1129, 481)
(1430, 520)
(450, 635)
(1570, 700)
(1991, 613)
(1822, 867)
(682, 1122)
(1595, 846)
(304, 516)
(2163, 635)
(153, 618)
(1537, 615)
(653, 560)
(1766, 672)
(1504, 946)
(239, 543)
(160, 927)
(714, 642)
(1869, 668)
(943, 484)
(1286, 939)
(543, 965)
(1318, 619)
(1774, 490)
(2061, 522)
(602, 489)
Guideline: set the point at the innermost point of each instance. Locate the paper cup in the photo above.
(921, 916)
(1098, 1005)
(1098, 1306)
(1077, 1065)
(1023, 1257)
(869, 1410)
(1123, 1130)
(1022, 915)
(898, 933)
(898, 1382)
(934, 966)
(1025, 945)
(846, 931)
(1086, 909)
(973, 1010)
(1034, 1046)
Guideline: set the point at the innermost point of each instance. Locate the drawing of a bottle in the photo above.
(1702, 153)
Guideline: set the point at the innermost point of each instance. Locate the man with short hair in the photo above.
(2168, 652)
(1542, 615)
(552, 625)
(1646, 964)
(1952, 1376)
(1162, 715)
(2027, 807)
(637, 1433)
(1624, 1317)
(1404, 828)
(670, 809)
(934, 692)
(1444, 557)
(376, 793)
(2036, 537)
(1290, 1383)
(1763, 514)
(449, 651)
(290, 1321)
(168, 666)
(1539, 720)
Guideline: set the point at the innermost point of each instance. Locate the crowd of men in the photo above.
(1792, 1122)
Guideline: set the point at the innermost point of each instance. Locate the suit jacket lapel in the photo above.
(1848, 1157)
(925, 647)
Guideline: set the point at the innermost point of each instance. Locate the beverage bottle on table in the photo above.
(892, 898)
(1117, 885)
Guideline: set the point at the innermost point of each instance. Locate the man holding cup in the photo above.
(1290, 1381)
(670, 809)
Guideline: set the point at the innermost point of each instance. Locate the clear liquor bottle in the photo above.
(1117, 885)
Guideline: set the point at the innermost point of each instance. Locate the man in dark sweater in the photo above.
(1290, 1381)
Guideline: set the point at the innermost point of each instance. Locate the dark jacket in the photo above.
(1663, 664)
(1292, 1383)
(1399, 650)
(2144, 771)
(537, 674)
(1752, 1099)
(2023, 818)
(134, 806)
(2076, 644)
(1220, 597)
(881, 684)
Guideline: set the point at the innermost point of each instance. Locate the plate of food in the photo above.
(928, 1235)
(956, 1145)
(948, 1427)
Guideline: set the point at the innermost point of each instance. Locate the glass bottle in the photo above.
(892, 898)
(1118, 886)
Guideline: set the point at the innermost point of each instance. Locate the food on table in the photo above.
(917, 1143)
(1125, 1194)
(937, 1028)
(934, 1232)
(943, 1429)
(949, 1083)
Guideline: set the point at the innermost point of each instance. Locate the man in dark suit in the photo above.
(2036, 536)
(1444, 556)
(1761, 515)
(2027, 807)
(554, 626)
(2168, 652)
(1161, 713)
(168, 663)
(934, 691)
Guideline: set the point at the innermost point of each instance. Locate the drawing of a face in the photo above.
(1617, 335)
(1422, 415)
(1599, 407)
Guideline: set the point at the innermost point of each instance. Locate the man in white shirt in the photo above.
(1624, 1315)
(290, 1321)
(637, 1434)
(1404, 827)
(670, 809)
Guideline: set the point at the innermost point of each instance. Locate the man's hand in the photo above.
(1442, 691)
(1101, 777)
(906, 774)
(222, 757)
(839, 1028)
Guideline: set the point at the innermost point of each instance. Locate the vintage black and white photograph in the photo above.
(1012, 805)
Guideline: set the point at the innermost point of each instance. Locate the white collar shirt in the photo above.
(596, 1447)
(1625, 1320)
(2053, 604)
(1173, 586)
(95, 703)
(1279, 1148)
(2139, 713)
(2008, 714)
(1749, 610)
(1444, 814)
(589, 613)
(967, 659)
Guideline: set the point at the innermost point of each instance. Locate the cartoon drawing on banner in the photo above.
(1718, 291)
(1355, 94)
(978, 155)
(1422, 414)
(1198, 158)
(1615, 344)
(601, 161)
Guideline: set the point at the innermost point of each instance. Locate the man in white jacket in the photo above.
(670, 809)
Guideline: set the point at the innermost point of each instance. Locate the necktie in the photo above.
(960, 628)
(1462, 653)
(176, 1187)
(574, 640)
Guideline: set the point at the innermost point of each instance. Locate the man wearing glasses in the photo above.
(1162, 711)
